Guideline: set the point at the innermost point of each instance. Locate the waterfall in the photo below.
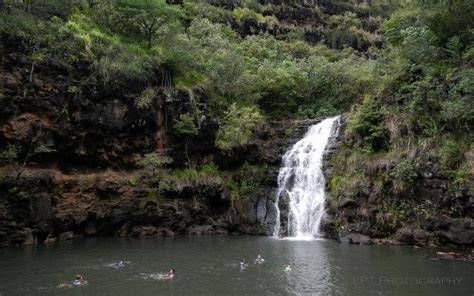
(302, 180)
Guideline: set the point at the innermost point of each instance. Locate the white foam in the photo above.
(301, 178)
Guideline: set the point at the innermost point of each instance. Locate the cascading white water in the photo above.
(301, 178)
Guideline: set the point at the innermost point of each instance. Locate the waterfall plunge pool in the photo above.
(208, 265)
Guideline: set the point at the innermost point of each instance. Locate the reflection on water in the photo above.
(209, 265)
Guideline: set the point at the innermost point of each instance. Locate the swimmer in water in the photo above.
(79, 281)
(119, 264)
(288, 268)
(243, 264)
(259, 259)
(170, 275)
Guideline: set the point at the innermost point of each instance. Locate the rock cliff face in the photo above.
(311, 17)
(47, 204)
(86, 183)
(432, 210)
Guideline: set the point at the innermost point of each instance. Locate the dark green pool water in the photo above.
(208, 265)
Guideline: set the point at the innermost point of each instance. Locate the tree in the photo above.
(228, 78)
(186, 125)
(458, 110)
(145, 16)
(36, 58)
(14, 156)
(41, 8)
(152, 164)
(366, 127)
(237, 126)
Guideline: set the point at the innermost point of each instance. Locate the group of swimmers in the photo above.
(259, 260)
(80, 281)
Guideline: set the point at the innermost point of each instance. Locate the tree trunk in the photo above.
(31, 71)
(187, 152)
(160, 135)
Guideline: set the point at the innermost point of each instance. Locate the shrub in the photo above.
(451, 154)
(146, 97)
(241, 188)
(366, 126)
(208, 174)
(243, 13)
(237, 126)
(405, 170)
(458, 110)
(152, 163)
(186, 125)
(210, 169)
(460, 176)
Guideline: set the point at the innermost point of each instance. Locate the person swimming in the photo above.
(259, 259)
(243, 264)
(119, 264)
(170, 275)
(78, 281)
(288, 268)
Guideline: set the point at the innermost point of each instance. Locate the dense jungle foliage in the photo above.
(402, 70)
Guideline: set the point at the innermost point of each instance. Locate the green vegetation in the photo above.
(427, 95)
(195, 175)
(419, 119)
(18, 157)
(179, 179)
(153, 169)
(152, 197)
(152, 163)
(187, 127)
(241, 189)
(193, 45)
(237, 127)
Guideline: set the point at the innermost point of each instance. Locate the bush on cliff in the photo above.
(237, 127)
(153, 163)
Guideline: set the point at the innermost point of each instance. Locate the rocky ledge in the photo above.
(47, 205)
